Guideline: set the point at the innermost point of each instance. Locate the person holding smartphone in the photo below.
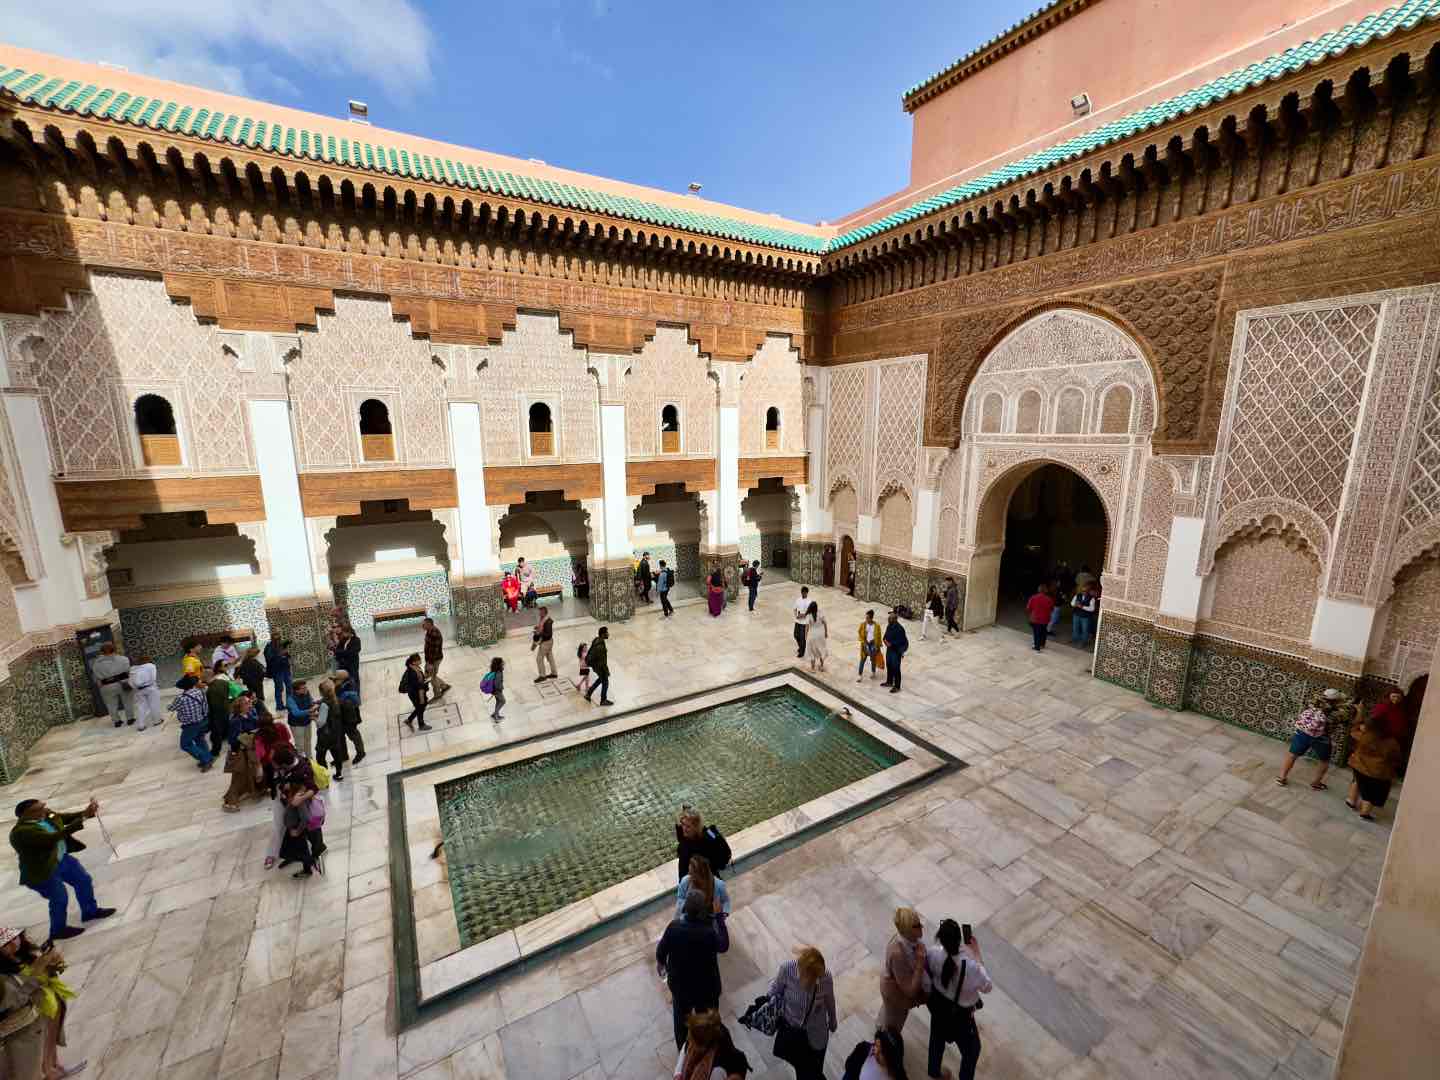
(956, 976)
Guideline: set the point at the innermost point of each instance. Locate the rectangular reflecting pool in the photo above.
(525, 839)
(559, 838)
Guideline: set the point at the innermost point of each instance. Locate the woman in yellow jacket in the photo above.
(872, 645)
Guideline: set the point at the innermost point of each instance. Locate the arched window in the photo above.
(542, 432)
(1116, 409)
(377, 440)
(992, 414)
(155, 424)
(772, 428)
(1070, 411)
(1027, 416)
(670, 429)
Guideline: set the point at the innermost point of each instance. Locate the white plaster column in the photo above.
(290, 562)
(725, 513)
(867, 532)
(477, 546)
(816, 522)
(1180, 593)
(926, 534)
(611, 372)
(1341, 628)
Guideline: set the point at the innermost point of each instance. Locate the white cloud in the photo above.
(215, 43)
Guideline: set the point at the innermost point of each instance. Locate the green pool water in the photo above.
(526, 839)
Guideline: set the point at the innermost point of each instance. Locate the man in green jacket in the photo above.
(44, 841)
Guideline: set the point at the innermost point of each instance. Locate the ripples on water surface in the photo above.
(526, 839)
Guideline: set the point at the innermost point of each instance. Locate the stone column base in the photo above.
(304, 626)
(612, 592)
(479, 613)
(727, 561)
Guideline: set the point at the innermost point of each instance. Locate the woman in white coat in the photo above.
(817, 637)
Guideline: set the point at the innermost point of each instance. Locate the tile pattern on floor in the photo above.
(1151, 904)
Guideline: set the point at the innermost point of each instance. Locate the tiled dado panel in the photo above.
(362, 598)
(47, 686)
(304, 627)
(479, 615)
(1124, 648)
(685, 558)
(893, 583)
(612, 594)
(158, 629)
(557, 571)
(763, 546)
(807, 562)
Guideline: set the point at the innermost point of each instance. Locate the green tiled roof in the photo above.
(87, 99)
(923, 83)
(1403, 16)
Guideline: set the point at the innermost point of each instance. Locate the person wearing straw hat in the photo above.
(22, 1027)
(45, 840)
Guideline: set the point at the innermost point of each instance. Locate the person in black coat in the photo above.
(896, 645)
(413, 685)
(251, 672)
(693, 838)
(688, 959)
(598, 658)
(347, 655)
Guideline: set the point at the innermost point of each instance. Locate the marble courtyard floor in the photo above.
(1150, 904)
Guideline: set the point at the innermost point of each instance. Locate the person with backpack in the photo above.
(542, 643)
(290, 770)
(693, 837)
(665, 581)
(329, 734)
(301, 710)
(687, 958)
(347, 689)
(494, 683)
(277, 666)
(957, 977)
(751, 580)
(598, 658)
(414, 685)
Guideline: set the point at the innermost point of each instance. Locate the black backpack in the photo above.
(856, 1061)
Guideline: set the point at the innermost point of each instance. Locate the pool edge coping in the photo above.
(410, 1009)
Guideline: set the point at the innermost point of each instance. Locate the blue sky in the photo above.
(791, 107)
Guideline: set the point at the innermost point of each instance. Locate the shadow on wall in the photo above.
(387, 557)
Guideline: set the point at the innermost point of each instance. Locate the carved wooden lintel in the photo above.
(339, 494)
(250, 305)
(88, 506)
(455, 322)
(29, 284)
(790, 470)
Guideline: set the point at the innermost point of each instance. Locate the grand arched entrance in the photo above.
(1055, 437)
(1038, 521)
(1054, 530)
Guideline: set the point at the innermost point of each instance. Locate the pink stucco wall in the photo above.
(1124, 53)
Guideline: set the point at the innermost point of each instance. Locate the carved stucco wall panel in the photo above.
(669, 370)
(775, 378)
(126, 333)
(898, 418)
(361, 351)
(537, 361)
(849, 438)
(1412, 622)
(1266, 580)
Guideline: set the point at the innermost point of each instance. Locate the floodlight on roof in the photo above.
(1080, 104)
(359, 112)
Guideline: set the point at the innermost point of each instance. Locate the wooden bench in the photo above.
(395, 614)
(549, 590)
(238, 636)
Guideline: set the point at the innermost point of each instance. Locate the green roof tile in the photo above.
(70, 97)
